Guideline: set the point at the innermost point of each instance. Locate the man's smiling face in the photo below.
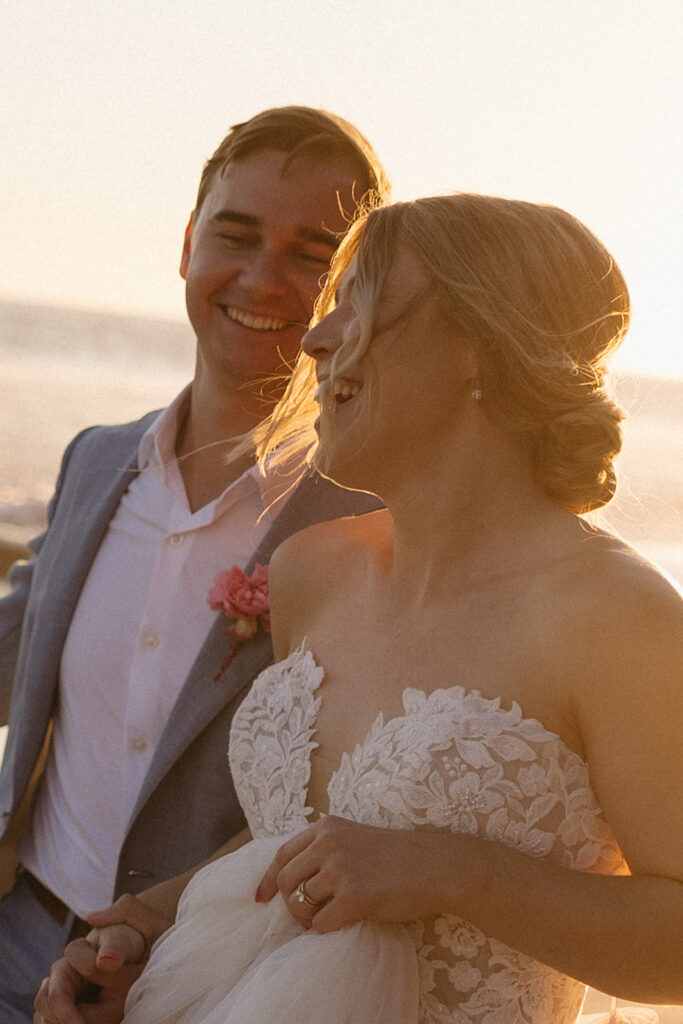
(254, 257)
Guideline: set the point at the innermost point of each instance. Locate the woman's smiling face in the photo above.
(383, 401)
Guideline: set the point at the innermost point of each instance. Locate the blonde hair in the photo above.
(538, 296)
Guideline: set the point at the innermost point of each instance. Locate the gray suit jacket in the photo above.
(187, 806)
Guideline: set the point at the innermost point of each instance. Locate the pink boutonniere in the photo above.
(245, 601)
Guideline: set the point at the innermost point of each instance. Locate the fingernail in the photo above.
(258, 898)
(108, 956)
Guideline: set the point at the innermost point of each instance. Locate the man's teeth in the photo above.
(256, 323)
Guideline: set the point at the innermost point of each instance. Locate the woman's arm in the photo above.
(619, 934)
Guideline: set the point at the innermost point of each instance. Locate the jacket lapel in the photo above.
(201, 698)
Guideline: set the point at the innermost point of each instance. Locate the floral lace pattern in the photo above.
(454, 761)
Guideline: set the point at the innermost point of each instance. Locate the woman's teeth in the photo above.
(255, 323)
(342, 392)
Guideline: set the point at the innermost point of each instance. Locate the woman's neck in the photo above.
(473, 513)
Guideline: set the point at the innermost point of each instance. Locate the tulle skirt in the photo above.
(229, 960)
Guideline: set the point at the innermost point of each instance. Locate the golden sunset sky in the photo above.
(110, 107)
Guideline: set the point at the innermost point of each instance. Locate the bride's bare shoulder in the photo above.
(309, 568)
(337, 538)
(622, 624)
(622, 579)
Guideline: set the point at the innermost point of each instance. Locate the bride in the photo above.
(460, 775)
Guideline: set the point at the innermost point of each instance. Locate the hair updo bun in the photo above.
(574, 454)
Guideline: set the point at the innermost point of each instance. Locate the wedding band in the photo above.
(301, 896)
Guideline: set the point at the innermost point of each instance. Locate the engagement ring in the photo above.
(301, 896)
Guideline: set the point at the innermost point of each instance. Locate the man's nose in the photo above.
(266, 273)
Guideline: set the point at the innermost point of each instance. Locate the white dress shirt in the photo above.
(140, 621)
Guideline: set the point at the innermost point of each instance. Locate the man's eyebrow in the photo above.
(323, 237)
(249, 220)
(235, 217)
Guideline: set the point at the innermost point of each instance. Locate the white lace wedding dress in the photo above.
(454, 761)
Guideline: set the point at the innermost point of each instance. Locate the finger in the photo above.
(126, 910)
(307, 899)
(82, 958)
(308, 867)
(40, 1004)
(129, 910)
(269, 885)
(109, 1008)
(55, 1002)
(117, 945)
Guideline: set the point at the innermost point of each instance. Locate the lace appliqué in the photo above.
(454, 761)
(270, 745)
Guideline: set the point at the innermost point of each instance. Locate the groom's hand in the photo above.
(111, 957)
(64, 996)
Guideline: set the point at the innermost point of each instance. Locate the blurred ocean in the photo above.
(64, 369)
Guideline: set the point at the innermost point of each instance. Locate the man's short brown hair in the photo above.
(294, 132)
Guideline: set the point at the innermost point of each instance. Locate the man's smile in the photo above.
(255, 323)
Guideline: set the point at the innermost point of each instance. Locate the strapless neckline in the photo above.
(464, 694)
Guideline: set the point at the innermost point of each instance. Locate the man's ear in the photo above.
(187, 247)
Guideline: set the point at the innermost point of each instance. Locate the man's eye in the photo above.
(237, 241)
(316, 259)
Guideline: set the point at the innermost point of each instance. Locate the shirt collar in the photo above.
(157, 444)
(156, 450)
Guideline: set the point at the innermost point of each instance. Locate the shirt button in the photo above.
(176, 539)
(150, 641)
(138, 745)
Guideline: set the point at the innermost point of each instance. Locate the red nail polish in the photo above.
(258, 898)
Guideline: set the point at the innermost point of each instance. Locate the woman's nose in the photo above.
(321, 341)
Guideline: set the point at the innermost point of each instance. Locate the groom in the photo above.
(107, 633)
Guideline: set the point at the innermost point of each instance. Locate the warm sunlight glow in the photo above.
(110, 115)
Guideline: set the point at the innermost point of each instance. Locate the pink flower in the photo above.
(239, 595)
(245, 600)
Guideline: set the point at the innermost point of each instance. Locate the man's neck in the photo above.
(206, 428)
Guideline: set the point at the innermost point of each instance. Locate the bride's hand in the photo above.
(352, 872)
